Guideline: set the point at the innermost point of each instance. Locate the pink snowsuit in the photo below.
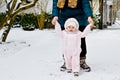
(71, 46)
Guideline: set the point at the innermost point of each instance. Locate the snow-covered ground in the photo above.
(37, 55)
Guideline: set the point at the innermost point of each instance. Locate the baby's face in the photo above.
(71, 28)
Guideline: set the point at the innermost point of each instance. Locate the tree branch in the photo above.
(24, 8)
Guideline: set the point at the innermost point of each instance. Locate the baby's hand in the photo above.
(57, 24)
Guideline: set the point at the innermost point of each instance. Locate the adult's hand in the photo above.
(90, 20)
(54, 20)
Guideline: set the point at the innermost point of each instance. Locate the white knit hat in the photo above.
(71, 22)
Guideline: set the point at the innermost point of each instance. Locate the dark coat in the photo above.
(81, 12)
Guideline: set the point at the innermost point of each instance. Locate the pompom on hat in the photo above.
(71, 22)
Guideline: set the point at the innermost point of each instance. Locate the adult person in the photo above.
(80, 10)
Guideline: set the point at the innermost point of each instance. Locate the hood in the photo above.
(71, 22)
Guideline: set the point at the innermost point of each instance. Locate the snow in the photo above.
(37, 55)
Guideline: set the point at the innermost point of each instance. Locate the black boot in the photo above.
(63, 67)
(83, 65)
(76, 74)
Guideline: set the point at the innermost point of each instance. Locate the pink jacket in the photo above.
(72, 41)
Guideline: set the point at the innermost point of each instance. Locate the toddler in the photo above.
(71, 43)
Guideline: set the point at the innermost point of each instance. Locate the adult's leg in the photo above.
(63, 67)
(83, 46)
(83, 63)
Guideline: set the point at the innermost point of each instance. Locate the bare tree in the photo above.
(12, 11)
(101, 14)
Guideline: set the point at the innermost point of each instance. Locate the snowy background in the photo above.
(37, 55)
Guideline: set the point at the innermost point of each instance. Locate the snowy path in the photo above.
(36, 55)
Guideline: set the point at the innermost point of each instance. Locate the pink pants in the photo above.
(72, 60)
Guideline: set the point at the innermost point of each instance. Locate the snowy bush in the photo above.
(96, 19)
(28, 21)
